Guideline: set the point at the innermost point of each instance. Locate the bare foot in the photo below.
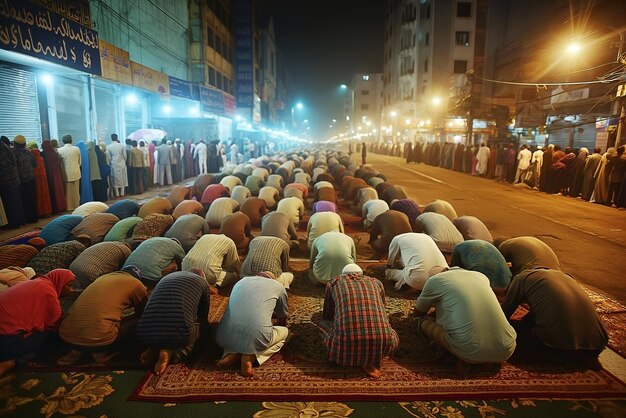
(462, 368)
(371, 371)
(228, 360)
(103, 357)
(147, 356)
(70, 358)
(5, 366)
(162, 362)
(246, 365)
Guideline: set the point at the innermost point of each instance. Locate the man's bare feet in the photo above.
(246, 365)
(104, 356)
(5, 366)
(162, 362)
(371, 371)
(70, 358)
(462, 368)
(228, 360)
(147, 356)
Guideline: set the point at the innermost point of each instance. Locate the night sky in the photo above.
(324, 43)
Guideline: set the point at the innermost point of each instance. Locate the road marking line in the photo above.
(420, 174)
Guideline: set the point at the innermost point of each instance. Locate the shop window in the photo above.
(462, 38)
(464, 9)
(460, 66)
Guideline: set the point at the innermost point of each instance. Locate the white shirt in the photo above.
(322, 184)
(538, 157)
(440, 229)
(270, 195)
(219, 209)
(240, 194)
(373, 208)
(523, 158)
(418, 254)
(90, 208)
(231, 181)
(70, 157)
(293, 207)
(320, 223)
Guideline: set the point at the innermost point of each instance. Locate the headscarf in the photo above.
(86, 192)
(59, 278)
(53, 174)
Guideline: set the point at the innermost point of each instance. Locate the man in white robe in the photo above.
(482, 158)
(119, 176)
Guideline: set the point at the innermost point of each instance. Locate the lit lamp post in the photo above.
(436, 102)
(297, 107)
(348, 106)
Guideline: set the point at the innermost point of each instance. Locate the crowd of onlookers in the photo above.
(591, 175)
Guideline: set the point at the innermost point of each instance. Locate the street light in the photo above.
(573, 48)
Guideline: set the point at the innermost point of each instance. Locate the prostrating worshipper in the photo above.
(440, 229)
(472, 228)
(188, 229)
(153, 225)
(240, 194)
(89, 208)
(261, 172)
(330, 253)
(29, 311)
(254, 184)
(219, 209)
(123, 229)
(98, 260)
(279, 225)
(353, 187)
(268, 254)
(468, 321)
(70, 158)
(179, 193)
(394, 193)
(253, 327)
(371, 210)
(13, 275)
(354, 324)
(16, 255)
(124, 208)
(293, 207)
(255, 208)
(200, 184)
(407, 206)
(56, 256)
(327, 194)
(363, 195)
(276, 181)
(322, 184)
(231, 181)
(481, 256)
(95, 324)
(60, 229)
(216, 256)
(237, 227)
(562, 320)
(93, 228)
(527, 253)
(26, 164)
(385, 227)
(442, 207)
(411, 256)
(320, 223)
(302, 178)
(156, 257)
(156, 205)
(296, 190)
(324, 206)
(270, 195)
(175, 318)
(187, 207)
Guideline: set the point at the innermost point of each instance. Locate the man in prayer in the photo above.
(293, 207)
(481, 256)
(320, 223)
(443, 207)
(330, 253)
(354, 306)
(371, 210)
(472, 228)
(278, 224)
(237, 227)
(385, 227)
(116, 153)
(188, 229)
(216, 256)
(440, 229)
(270, 195)
(220, 209)
(159, 205)
(528, 252)
(70, 163)
(268, 254)
(247, 332)
(175, 318)
(98, 260)
(156, 257)
(468, 321)
(411, 257)
(60, 229)
(255, 208)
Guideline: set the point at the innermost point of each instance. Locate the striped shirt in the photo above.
(266, 254)
(178, 301)
(407, 206)
(16, 255)
(95, 226)
(212, 254)
(98, 260)
(219, 209)
(122, 229)
(360, 334)
(188, 229)
(59, 229)
(56, 256)
(94, 320)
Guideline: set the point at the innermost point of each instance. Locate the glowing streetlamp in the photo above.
(574, 48)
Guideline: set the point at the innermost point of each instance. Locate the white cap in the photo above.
(351, 268)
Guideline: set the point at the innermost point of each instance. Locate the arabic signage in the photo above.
(76, 10)
(149, 79)
(244, 47)
(212, 100)
(185, 89)
(32, 30)
(115, 63)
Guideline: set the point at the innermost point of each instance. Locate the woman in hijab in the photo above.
(601, 188)
(10, 185)
(86, 193)
(29, 311)
(94, 170)
(101, 187)
(44, 206)
(578, 173)
(53, 174)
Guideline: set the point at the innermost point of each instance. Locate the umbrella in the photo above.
(147, 134)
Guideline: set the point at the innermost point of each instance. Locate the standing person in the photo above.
(95, 176)
(135, 167)
(70, 165)
(247, 332)
(175, 318)
(523, 162)
(86, 193)
(145, 171)
(10, 185)
(214, 157)
(364, 154)
(44, 206)
(164, 162)
(354, 325)
(545, 177)
(26, 168)
(589, 181)
(536, 164)
(116, 153)
(234, 150)
(482, 159)
(54, 177)
(616, 168)
(201, 155)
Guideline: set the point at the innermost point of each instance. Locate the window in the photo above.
(365, 92)
(218, 44)
(365, 106)
(427, 39)
(425, 66)
(463, 9)
(366, 78)
(460, 66)
(462, 38)
(219, 81)
(212, 76)
(210, 37)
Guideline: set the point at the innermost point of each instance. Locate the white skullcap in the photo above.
(351, 268)
(30, 273)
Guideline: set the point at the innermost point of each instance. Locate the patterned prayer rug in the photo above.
(417, 371)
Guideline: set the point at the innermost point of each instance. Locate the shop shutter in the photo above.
(106, 114)
(69, 96)
(132, 118)
(19, 106)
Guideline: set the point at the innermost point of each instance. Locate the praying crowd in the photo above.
(150, 271)
(593, 176)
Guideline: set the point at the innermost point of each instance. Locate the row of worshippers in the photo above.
(270, 254)
(597, 177)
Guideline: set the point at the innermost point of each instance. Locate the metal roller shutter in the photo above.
(18, 104)
(132, 118)
(106, 113)
(70, 108)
